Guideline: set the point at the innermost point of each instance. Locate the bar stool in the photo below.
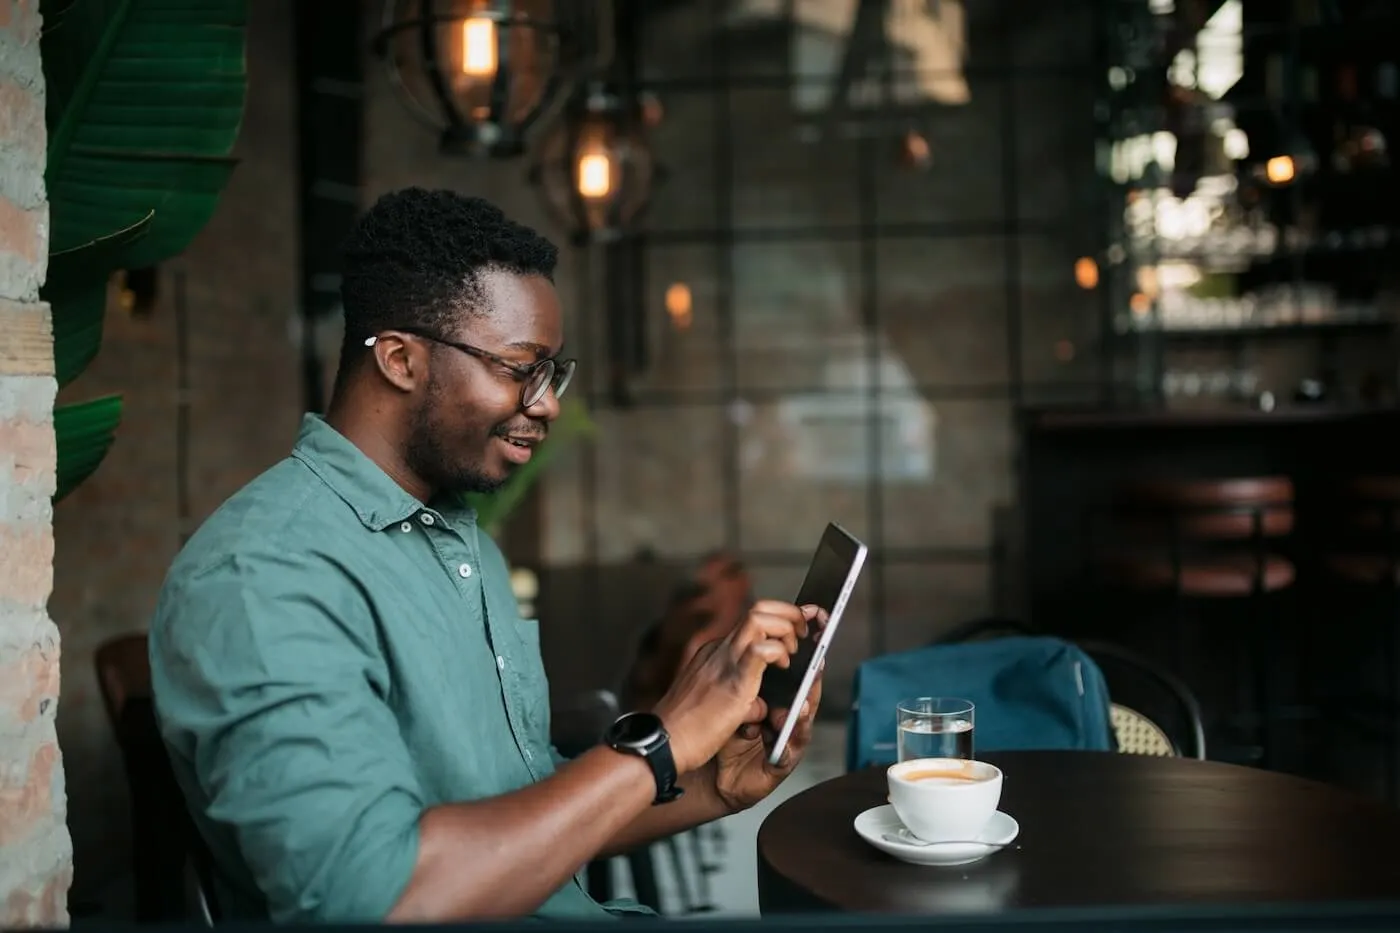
(1362, 551)
(1210, 540)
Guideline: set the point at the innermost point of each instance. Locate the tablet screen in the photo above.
(826, 577)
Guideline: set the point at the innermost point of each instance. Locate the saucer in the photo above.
(875, 823)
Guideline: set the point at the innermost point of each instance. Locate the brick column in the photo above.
(36, 855)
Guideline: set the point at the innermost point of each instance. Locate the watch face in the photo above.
(637, 729)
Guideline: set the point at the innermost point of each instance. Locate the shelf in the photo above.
(1281, 331)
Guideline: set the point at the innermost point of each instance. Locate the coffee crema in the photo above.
(941, 775)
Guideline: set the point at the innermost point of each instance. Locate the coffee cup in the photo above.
(944, 799)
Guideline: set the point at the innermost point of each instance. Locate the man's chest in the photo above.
(464, 675)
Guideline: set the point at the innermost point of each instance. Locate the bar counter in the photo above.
(1074, 459)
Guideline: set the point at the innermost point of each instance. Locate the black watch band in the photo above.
(644, 735)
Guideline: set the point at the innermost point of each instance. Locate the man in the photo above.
(354, 710)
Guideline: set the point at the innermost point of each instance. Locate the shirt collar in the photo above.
(376, 498)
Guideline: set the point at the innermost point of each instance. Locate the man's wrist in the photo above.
(680, 753)
(703, 784)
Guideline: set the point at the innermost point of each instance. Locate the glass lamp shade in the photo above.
(482, 72)
(596, 170)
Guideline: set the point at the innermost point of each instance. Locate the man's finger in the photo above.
(764, 627)
(761, 654)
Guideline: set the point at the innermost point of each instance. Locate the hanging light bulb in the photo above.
(596, 169)
(484, 72)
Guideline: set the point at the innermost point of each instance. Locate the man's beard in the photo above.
(432, 463)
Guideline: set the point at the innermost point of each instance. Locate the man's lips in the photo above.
(528, 441)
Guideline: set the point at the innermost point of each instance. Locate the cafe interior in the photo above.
(1079, 314)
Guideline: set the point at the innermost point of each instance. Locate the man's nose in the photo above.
(546, 408)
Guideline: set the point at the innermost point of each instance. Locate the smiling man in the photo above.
(356, 714)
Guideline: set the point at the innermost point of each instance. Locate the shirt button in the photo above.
(425, 518)
(465, 570)
(500, 663)
(405, 527)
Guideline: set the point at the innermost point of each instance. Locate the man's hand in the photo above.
(716, 690)
(743, 776)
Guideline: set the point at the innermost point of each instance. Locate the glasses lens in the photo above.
(563, 377)
(538, 384)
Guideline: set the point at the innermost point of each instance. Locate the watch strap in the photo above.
(655, 751)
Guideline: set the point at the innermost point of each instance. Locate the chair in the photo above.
(172, 867)
(1131, 678)
(1030, 692)
(1362, 551)
(1146, 696)
(1208, 540)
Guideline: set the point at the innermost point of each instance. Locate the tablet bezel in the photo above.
(856, 552)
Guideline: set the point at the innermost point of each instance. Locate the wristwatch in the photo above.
(644, 735)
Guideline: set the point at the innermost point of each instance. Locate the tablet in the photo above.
(830, 579)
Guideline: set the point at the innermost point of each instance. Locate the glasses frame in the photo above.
(558, 373)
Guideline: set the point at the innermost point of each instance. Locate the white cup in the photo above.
(944, 799)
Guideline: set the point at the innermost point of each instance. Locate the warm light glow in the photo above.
(1086, 273)
(1280, 170)
(594, 175)
(1147, 281)
(479, 47)
(678, 304)
(1140, 304)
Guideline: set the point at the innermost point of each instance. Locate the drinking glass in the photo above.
(935, 727)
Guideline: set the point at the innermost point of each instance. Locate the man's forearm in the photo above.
(504, 856)
(699, 805)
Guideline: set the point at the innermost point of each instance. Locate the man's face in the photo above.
(468, 430)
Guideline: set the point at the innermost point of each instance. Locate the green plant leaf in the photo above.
(84, 433)
(74, 271)
(145, 100)
(77, 292)
(77, 332)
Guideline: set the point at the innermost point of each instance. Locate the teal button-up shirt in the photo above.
(330, 657)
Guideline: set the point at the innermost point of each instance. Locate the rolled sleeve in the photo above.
(267, 672)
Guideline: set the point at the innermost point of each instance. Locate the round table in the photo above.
(1097, 828)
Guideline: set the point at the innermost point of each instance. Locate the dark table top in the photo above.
(1097, 828)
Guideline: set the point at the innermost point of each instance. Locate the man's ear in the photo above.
(402, 362)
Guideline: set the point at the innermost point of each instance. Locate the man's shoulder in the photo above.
(284, 522)
(286, 505)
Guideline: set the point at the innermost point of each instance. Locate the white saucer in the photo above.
(874, 824)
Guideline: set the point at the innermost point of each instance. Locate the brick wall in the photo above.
(35, 851)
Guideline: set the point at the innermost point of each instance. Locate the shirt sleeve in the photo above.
(268, 668)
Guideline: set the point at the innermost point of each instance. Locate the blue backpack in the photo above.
(1030, 692)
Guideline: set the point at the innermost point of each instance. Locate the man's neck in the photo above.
(381, 446)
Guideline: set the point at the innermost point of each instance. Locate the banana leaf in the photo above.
(145, 101)
(492, 509)
(77, 284)
(84, 432)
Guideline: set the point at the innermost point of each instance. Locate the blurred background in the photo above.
(947, 272)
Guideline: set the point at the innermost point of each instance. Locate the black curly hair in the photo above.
(413, 260)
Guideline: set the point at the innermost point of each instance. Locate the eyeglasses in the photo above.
(536, 378)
